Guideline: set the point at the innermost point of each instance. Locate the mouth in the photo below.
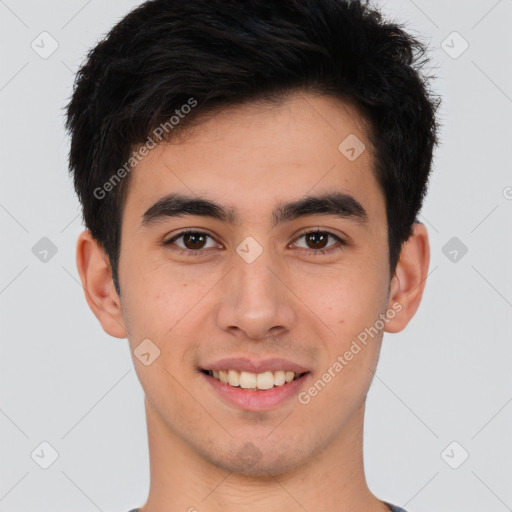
(254, 381)
(252, 384)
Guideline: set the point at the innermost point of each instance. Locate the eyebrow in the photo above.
(339, 204)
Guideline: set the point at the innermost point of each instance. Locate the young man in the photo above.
(250, 174)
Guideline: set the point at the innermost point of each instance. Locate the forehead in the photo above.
(254, 155)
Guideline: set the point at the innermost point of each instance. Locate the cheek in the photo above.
(347, 298)
(157, 295)
(351, 353)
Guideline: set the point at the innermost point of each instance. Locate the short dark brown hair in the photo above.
(227, 52)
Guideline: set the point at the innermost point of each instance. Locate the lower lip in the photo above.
(252, 400)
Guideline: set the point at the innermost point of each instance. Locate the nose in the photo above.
(255, 302)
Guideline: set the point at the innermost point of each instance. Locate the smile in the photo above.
(254, 381)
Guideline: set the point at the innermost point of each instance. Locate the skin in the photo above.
(287, 303)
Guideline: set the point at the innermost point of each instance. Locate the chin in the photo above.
(249, 460)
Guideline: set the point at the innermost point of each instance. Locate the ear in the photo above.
(96, 276)
(409, 280)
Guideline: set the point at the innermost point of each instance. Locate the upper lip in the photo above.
(255, 366)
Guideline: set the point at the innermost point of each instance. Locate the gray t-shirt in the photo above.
(393, 508)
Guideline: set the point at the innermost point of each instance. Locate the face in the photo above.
(285, 272)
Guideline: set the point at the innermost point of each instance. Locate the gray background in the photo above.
(446, 378)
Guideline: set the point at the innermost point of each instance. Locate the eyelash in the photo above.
(198, 252)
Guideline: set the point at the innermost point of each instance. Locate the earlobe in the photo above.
(96, 276)
(409, 279)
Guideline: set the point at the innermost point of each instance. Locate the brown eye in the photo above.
(192, 241)
(318, 241)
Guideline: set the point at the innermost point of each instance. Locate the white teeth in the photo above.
(249, 380)
(279, 378)
(265, 380)
(233, 378)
